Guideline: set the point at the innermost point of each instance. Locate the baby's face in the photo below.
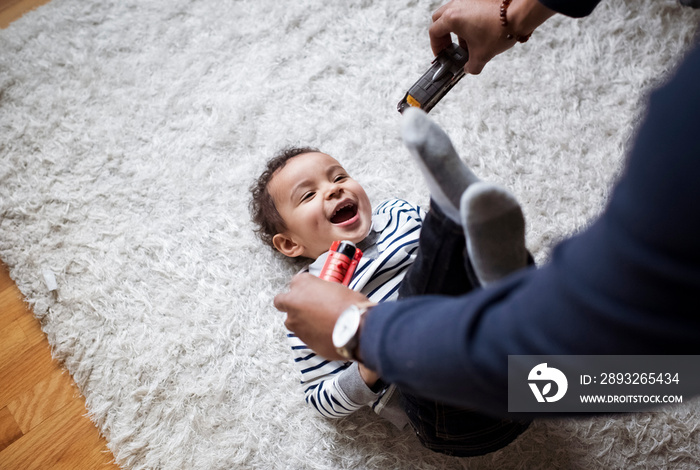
(319, 203)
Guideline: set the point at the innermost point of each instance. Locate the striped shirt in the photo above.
(393, 242)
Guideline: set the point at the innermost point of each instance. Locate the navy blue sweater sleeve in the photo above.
(576, 9)
(626, 285)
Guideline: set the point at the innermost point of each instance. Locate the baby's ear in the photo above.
(285, 245)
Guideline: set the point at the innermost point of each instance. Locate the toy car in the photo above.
(444, 73)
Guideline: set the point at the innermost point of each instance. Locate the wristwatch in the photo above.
(346, 333)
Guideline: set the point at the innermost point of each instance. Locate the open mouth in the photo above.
(344, 212)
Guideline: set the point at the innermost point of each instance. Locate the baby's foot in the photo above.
(494, 227)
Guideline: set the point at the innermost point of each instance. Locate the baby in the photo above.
(305, 200)
(302, 203)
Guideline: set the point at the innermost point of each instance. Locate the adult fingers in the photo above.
(284, 301)
(438, 13)
(439, 32)
(474, 65)
(280, 301)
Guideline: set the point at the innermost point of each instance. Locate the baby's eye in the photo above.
(340, 178)
(307, 196)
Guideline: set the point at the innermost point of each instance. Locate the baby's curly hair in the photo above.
(262, 208)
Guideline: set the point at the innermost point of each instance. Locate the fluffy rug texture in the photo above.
(131, 131)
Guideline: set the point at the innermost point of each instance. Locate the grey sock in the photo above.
(494, 227)
(446, 175)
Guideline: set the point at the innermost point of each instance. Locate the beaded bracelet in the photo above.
(504, 22)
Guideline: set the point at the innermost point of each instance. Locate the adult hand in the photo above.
(313, 305)
(478, 27)
(476, 24)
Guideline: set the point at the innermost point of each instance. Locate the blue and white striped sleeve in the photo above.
(325, 382)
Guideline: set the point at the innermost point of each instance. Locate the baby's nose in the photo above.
(334, 190)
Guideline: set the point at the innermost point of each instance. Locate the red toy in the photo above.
(341, 262)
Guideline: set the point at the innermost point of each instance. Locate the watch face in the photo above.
(346, 326)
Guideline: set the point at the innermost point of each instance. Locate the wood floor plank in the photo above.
(13, 309)
(11, 10)
(14, 342)
(5, 279)
(35, 406)
(57, 443)
(89, 452)
(5, 4)
(23, 373)
(12, 306)
(9, 429)
(32, 329)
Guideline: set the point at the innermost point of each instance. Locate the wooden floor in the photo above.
(42, 416)
(10, 10)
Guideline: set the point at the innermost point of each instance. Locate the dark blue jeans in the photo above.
(443, 267)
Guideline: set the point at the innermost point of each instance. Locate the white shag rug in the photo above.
(130, 132)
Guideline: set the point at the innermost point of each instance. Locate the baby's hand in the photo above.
(369, 376)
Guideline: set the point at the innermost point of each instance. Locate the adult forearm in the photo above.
(524, 16)
(437, 347)
(595, 297)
